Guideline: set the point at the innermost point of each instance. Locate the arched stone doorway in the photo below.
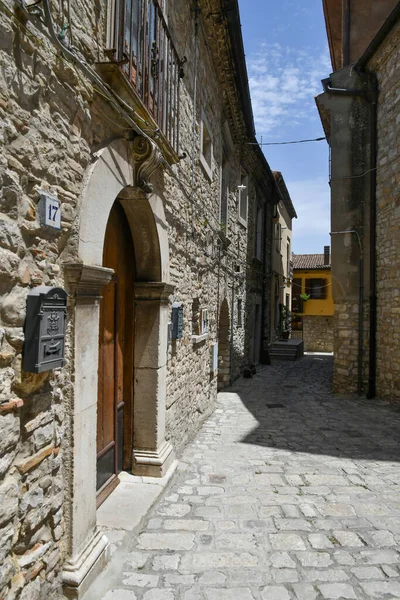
(224, 349)
(113, 177)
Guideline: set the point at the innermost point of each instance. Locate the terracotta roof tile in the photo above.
(310, 261)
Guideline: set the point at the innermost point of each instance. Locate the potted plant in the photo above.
(286, 322)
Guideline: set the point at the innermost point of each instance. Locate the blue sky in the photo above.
(287, 56)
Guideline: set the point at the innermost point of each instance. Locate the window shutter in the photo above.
(308, 287)
(324, 289)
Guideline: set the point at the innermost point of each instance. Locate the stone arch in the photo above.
(112, 177)
(224, 347)
(109, 177)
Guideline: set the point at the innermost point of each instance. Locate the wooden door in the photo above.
(115, 392)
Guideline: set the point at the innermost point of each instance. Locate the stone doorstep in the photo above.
(119, 514)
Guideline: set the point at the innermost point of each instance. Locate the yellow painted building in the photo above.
(312, 317)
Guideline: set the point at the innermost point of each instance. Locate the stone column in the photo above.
(152, 455)
(87, 545)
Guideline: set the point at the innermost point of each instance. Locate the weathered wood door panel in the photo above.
(115, 393)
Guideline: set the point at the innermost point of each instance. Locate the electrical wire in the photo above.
(284, 143)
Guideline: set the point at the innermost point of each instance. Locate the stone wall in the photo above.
(317, 333)
(53, 123)
(385, 65)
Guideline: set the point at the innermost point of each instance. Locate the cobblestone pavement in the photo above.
(287, 492)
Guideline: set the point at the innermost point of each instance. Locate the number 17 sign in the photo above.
(49, 210)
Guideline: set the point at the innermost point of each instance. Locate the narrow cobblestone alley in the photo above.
(287, 492)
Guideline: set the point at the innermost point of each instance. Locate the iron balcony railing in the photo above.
(143, 48)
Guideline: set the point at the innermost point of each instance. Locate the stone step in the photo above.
(282, 355)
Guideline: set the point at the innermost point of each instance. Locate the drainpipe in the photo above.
(371, 96)
(372, 293)
(347, 25)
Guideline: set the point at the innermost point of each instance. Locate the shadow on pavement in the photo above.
(296, 410)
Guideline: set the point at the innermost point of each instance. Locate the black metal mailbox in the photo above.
(46, 309)
(177, 321)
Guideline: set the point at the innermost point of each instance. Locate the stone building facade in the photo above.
(147, 152)
(359, 110)
(282, 263)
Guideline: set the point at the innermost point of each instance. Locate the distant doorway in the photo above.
(256, 334)
(115, 378)
(224, 351)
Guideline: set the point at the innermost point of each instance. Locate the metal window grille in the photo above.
(143, 48)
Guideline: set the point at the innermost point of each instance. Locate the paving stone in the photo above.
(343, 557)
(305, 591)
(286, 541)
(314, 559)
(285, 575)
(367, 573)
(212, 578)
(120, 595)
(174, 510)
(246, 577)
(159, 595)
(136, 560)
(140, 580)
(176, 579)
(281, 560)
(389, 571)
(189, 524)
(382, 589)
(292, 525)
(166, 541)
(337, 590)
(348, 538)
(338, 509)
(382, 539)
(166, 562)
(325, 575)
(274, 592)
(319, 541)
(230, 594)
(217, 560)
(376, 557)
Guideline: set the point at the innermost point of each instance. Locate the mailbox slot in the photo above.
(46, 310)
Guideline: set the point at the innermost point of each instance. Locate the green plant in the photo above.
(286, 319)
(305, 297)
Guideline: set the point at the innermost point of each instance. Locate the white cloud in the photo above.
(283, 82)
(311, 199)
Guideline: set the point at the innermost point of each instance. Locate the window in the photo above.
(239, 313)
(223, 213)
(243, 197)
(139, 42)
(206, 147)
(288, 257)
(203, 321)
(278, 233)
(196, 316)
(258, 232)
(316, 288)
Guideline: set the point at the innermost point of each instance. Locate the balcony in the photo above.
(141, 50)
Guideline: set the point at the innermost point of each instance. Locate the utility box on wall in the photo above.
(46, 309)
(177, 321)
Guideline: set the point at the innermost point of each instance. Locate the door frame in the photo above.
(111, 176)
